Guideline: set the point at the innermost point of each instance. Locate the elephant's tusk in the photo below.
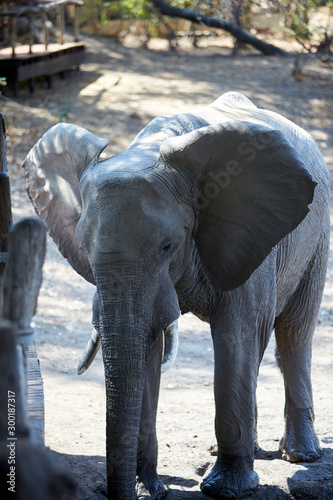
(170, 347)
(90, 352)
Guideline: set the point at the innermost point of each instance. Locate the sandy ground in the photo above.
(115, 94)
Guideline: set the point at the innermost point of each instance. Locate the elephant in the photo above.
(222, 212)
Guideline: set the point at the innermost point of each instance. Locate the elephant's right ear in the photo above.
(251, 188)
(54, 167)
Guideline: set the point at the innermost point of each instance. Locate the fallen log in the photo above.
(214, 22)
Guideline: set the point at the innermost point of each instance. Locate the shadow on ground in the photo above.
(300, 486)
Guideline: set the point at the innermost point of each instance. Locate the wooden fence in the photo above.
(25, 466)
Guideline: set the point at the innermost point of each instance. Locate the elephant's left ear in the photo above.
(53, 168)
(252, 189)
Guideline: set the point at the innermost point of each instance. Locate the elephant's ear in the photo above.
(53, 168)
(252, 190)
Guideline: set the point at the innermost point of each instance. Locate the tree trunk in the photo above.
(213, 22)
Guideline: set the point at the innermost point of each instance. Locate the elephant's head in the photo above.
(164, 216)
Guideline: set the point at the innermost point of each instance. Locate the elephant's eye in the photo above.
(166, 247)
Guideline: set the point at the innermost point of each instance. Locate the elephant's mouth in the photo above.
(170, 348)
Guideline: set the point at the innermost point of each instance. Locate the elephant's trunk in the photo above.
(124, 357)
(124, 341)
(123, 413)
(131, 316)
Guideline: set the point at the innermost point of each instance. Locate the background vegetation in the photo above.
(296, 19)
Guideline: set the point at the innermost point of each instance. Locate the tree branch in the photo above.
(213, 22)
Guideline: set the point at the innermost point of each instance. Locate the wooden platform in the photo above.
(40, 62)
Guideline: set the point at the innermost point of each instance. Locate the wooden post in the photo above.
(5, 220)
(21, 282)
(10, 387)
(76, 23)
(44, 29)
(23, 275)
(60, 24)
(5, 203)
(5, 19)
(3, 145)
(12, 34)
(31, 34)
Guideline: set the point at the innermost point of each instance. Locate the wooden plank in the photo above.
(50, 66)
(57, 59)
(22, 51)
(35, 397)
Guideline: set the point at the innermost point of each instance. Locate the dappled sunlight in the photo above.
(120, 89)
(117, 92)
(93, 93)
(109, 90)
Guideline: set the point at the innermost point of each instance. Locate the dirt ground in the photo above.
(117, 91)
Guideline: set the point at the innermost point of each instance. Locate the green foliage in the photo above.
(237, 11)
(63, 115)
(297, 17)
(296, 14)
(127, 8)
(100, 12)
(3, 82)
(134, 9)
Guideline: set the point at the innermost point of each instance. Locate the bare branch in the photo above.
(213, 22)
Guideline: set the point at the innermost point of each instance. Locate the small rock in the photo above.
(201, 469)
(136, 116)
(213, 450)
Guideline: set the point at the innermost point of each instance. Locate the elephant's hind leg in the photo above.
(294, 330)
(147, 444)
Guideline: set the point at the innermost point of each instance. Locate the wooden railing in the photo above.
(11, 11)
(20, 287)
(27, 469)
(22, 252)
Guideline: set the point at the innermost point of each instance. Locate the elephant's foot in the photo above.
(230, 478)
(300, 443)
(148, 481)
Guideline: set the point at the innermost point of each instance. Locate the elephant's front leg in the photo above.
(147, 445)
(237, 357)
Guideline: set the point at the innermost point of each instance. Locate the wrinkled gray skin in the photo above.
(223, 212)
